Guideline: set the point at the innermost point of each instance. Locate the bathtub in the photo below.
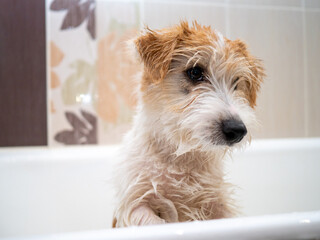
(66, 193)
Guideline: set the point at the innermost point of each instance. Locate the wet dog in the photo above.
(197, 96)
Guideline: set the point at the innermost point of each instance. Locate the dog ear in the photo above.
(155, 50)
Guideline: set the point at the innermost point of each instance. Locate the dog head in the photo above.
(198, 87)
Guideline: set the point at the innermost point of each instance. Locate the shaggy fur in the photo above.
(172, 159)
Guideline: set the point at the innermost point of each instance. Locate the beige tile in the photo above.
(313, 72)
(276, 38)
(283, 3)
(158, 15)
(312, 3)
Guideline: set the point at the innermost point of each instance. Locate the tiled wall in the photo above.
(90, 78)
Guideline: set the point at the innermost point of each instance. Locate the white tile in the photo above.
(276, 38)
(158, 15)
(313, 73)
(312, 3)
(283, 3)
(116, 16)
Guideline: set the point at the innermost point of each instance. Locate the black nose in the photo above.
(233, 130)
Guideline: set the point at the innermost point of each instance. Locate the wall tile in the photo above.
(158, 15)
(275, 37)
(313, 66)
(23, 120)
(312, 3)
(283, 3)
(72, 119)
(89, 72)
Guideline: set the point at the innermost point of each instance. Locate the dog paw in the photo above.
(144, 215)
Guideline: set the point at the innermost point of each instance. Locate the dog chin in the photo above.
(225, 146)
(229, 145)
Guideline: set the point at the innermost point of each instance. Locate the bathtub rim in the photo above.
(296, 225)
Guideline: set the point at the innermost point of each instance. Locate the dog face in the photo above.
(198, 87)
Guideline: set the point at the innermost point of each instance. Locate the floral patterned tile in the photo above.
(90, 76)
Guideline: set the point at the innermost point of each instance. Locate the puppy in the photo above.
(196, 103)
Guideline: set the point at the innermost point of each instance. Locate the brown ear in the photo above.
(155, 50)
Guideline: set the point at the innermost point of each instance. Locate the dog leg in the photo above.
(144, 215)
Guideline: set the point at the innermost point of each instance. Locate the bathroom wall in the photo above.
(90, 81)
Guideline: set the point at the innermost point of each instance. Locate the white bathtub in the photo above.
(56, 190)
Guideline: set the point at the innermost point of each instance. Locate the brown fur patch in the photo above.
(156, 51)
(156, 48)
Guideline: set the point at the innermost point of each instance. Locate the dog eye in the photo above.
(235, 83)
(195, 74)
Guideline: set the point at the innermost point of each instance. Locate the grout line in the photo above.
(305, 71)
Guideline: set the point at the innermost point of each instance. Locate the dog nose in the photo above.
(233, 130)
